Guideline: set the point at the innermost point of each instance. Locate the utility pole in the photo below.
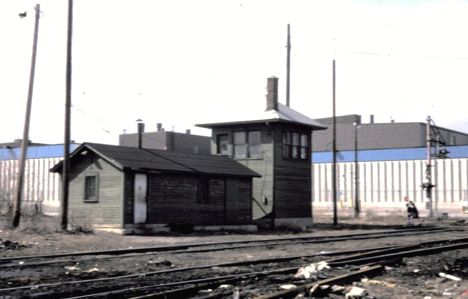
(66, 145)
(335, 203)
(288, 67)
(25, 140)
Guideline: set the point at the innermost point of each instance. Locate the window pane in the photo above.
(304, 146)
(254, 137)
(295, 152)
(304, 153)
(286, 151)
(203, 190)
(240, 151)
(222, 144)
(295, 138)
(239, 138)
(90, 187)
(287, 138)
(255, 150)
(255, 146)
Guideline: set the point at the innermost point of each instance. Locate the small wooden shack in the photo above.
(133, 190)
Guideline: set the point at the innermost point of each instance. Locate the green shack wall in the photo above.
(106, 212)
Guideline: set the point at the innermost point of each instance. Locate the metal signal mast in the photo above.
(435, 147)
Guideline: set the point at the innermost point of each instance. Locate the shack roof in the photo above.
(283, 114)
(140, 159)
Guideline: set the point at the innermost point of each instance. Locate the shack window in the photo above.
(91, 188)
(203, 190)
(247, 144)
(295, 146)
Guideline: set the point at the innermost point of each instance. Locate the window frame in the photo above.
(247, 145)
(220, 142)
(95, 197)
(294, 147)
(203, 190)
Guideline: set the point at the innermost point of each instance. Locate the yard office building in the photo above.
(275, 143)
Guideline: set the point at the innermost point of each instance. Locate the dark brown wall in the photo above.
(292, 180)
(174, 199)
(129, 180)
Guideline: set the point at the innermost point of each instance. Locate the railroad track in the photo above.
(50, 259)
(172, 285)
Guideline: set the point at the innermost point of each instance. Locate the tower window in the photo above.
(295, 146)
(247, 144)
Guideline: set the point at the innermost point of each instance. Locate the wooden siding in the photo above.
(108, 210)
(129, 194)
(174, 199)
(292, 181)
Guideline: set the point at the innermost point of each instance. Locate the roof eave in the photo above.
(59, 166)
(265, 121)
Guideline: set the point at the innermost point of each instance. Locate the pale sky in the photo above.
(183, 62)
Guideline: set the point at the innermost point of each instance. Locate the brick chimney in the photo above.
(272, 94)
(141, 130)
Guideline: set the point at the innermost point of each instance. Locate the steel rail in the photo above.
(390, 250)
(317, 241)
(365, 260)
(38, 264)
(314, 285)
(204, 282)
(264, 242)
(407, 254)
(167, 271)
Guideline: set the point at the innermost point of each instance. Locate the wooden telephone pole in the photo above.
(25, 140)
(334, 190)
(66, 145)
(288, 67)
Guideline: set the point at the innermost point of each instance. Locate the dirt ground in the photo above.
(417, 277)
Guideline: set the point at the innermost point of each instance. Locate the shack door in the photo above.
(139, 209)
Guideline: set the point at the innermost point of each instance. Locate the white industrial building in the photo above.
(378, 164)
(385, 176)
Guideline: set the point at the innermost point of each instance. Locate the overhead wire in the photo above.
(90, 115)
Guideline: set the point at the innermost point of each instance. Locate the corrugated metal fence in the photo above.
(383, 183)
(41, 191)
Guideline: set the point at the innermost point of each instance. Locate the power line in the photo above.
(90, 115)
(397, 55)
